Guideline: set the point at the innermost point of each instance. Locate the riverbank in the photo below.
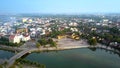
(65, 43)
(75, 57)
(12, 60)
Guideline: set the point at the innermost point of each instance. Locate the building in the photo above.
(17, 38)
(73, 24)
(61, 36)
(22, 30)
(26, 37)
(14, 39)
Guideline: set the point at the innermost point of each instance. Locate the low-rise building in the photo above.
(14, 39)
(26, 37)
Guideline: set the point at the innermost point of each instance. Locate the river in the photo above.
(6, 54)
(77, 58)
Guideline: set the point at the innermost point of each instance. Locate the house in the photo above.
(33, 35)
(75, 36)
(17, 38)
(43, 32)
(47, 32)
(26, 37)
(61, 28)
(93, 29)
(1, 35)
(73, 24)
(74, 29)
(14, 39)
(61, 36)
(20, 30)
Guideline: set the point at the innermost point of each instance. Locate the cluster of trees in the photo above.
(23, 61)
(106, 36)
(8, 43)
(92, 41)
(44, 42)
(3, 65)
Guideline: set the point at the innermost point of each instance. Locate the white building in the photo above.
(26, 38)
(18, 38)
(14, 39)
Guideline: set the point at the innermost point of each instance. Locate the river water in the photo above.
(77, 58)
(6, 54)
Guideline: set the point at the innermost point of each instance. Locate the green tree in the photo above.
(49, 41)
(53, 44)
(38, 45)
(42, 41)
(108, 37)
(92, 41)
(117, 40)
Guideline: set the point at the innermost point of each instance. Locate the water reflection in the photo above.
(77, 58)
(114, 51)
(5, 54)
(93, 49)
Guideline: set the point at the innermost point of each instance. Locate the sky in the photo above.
(60, 6)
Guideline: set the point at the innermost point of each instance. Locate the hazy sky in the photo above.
(59, 6)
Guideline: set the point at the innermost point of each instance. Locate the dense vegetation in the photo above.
(23, 61)
(44, 42)
(109, 36)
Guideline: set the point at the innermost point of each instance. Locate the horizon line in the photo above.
(61, 13)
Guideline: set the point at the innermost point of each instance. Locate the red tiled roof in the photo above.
(1, 34)
(26, 35)
(11, 36)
